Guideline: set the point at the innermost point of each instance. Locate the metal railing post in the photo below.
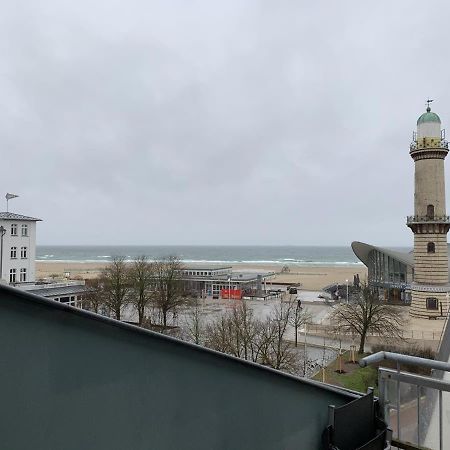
(383, 396)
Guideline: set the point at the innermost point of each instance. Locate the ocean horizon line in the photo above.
(204, 261)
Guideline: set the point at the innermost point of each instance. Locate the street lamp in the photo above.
(346, 282)
(229, 287)
(2, 233)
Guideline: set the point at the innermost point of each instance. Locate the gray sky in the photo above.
(207, 122)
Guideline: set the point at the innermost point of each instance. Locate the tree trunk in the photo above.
(296, 337)
(164, 313)
(117, 311)
(140, 315)
(362, 342)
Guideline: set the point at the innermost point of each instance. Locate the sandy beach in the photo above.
(311, 277)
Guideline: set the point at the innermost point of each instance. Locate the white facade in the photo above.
(18, 256)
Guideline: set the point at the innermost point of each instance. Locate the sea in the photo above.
(214, 254)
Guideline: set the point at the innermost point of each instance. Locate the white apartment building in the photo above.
(17, 248)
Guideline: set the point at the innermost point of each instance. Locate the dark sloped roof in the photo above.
(58, 291)
(13, 216)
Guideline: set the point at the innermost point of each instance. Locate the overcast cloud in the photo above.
(207, 122)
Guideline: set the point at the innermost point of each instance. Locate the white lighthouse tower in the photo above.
(430, 223)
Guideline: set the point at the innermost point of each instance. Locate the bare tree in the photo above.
(281, 355)
(240, 334)
(367, 314)
(217, 335)
(141, 279)
(168, 286)
(194, 323)
(237, 333)
(115, 282)
(93, 298)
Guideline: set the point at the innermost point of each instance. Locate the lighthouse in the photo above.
(430, 224)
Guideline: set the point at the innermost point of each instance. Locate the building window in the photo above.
(12, 275)
(23, 275)
(14, 229)
(430, 211)
(24, 230)
(430, 247)
(23, 252)
(432, 303)
(13, 252)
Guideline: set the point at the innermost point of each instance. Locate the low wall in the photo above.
(73, 380)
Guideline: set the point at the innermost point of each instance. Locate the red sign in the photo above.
(235, 294)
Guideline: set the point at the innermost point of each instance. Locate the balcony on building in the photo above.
(411, 220)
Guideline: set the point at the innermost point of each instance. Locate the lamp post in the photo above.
(229, 287)
(2, 233)
(346, 282)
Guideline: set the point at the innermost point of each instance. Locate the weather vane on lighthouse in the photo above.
(428, 104)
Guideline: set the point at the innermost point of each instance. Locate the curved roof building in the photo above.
(389, 270)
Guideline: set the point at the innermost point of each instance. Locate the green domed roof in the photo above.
(428, 117)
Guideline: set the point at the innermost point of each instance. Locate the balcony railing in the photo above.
(416, 145)
(414, 406)
(429, 219)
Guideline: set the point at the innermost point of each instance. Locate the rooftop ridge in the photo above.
(13, 216)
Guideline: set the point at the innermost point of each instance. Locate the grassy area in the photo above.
(359, 379)
(353, 376)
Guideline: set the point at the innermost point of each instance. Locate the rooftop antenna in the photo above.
(8, 197)
(428, 104)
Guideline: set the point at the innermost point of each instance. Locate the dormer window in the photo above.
(14, 229)
(24, 230)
